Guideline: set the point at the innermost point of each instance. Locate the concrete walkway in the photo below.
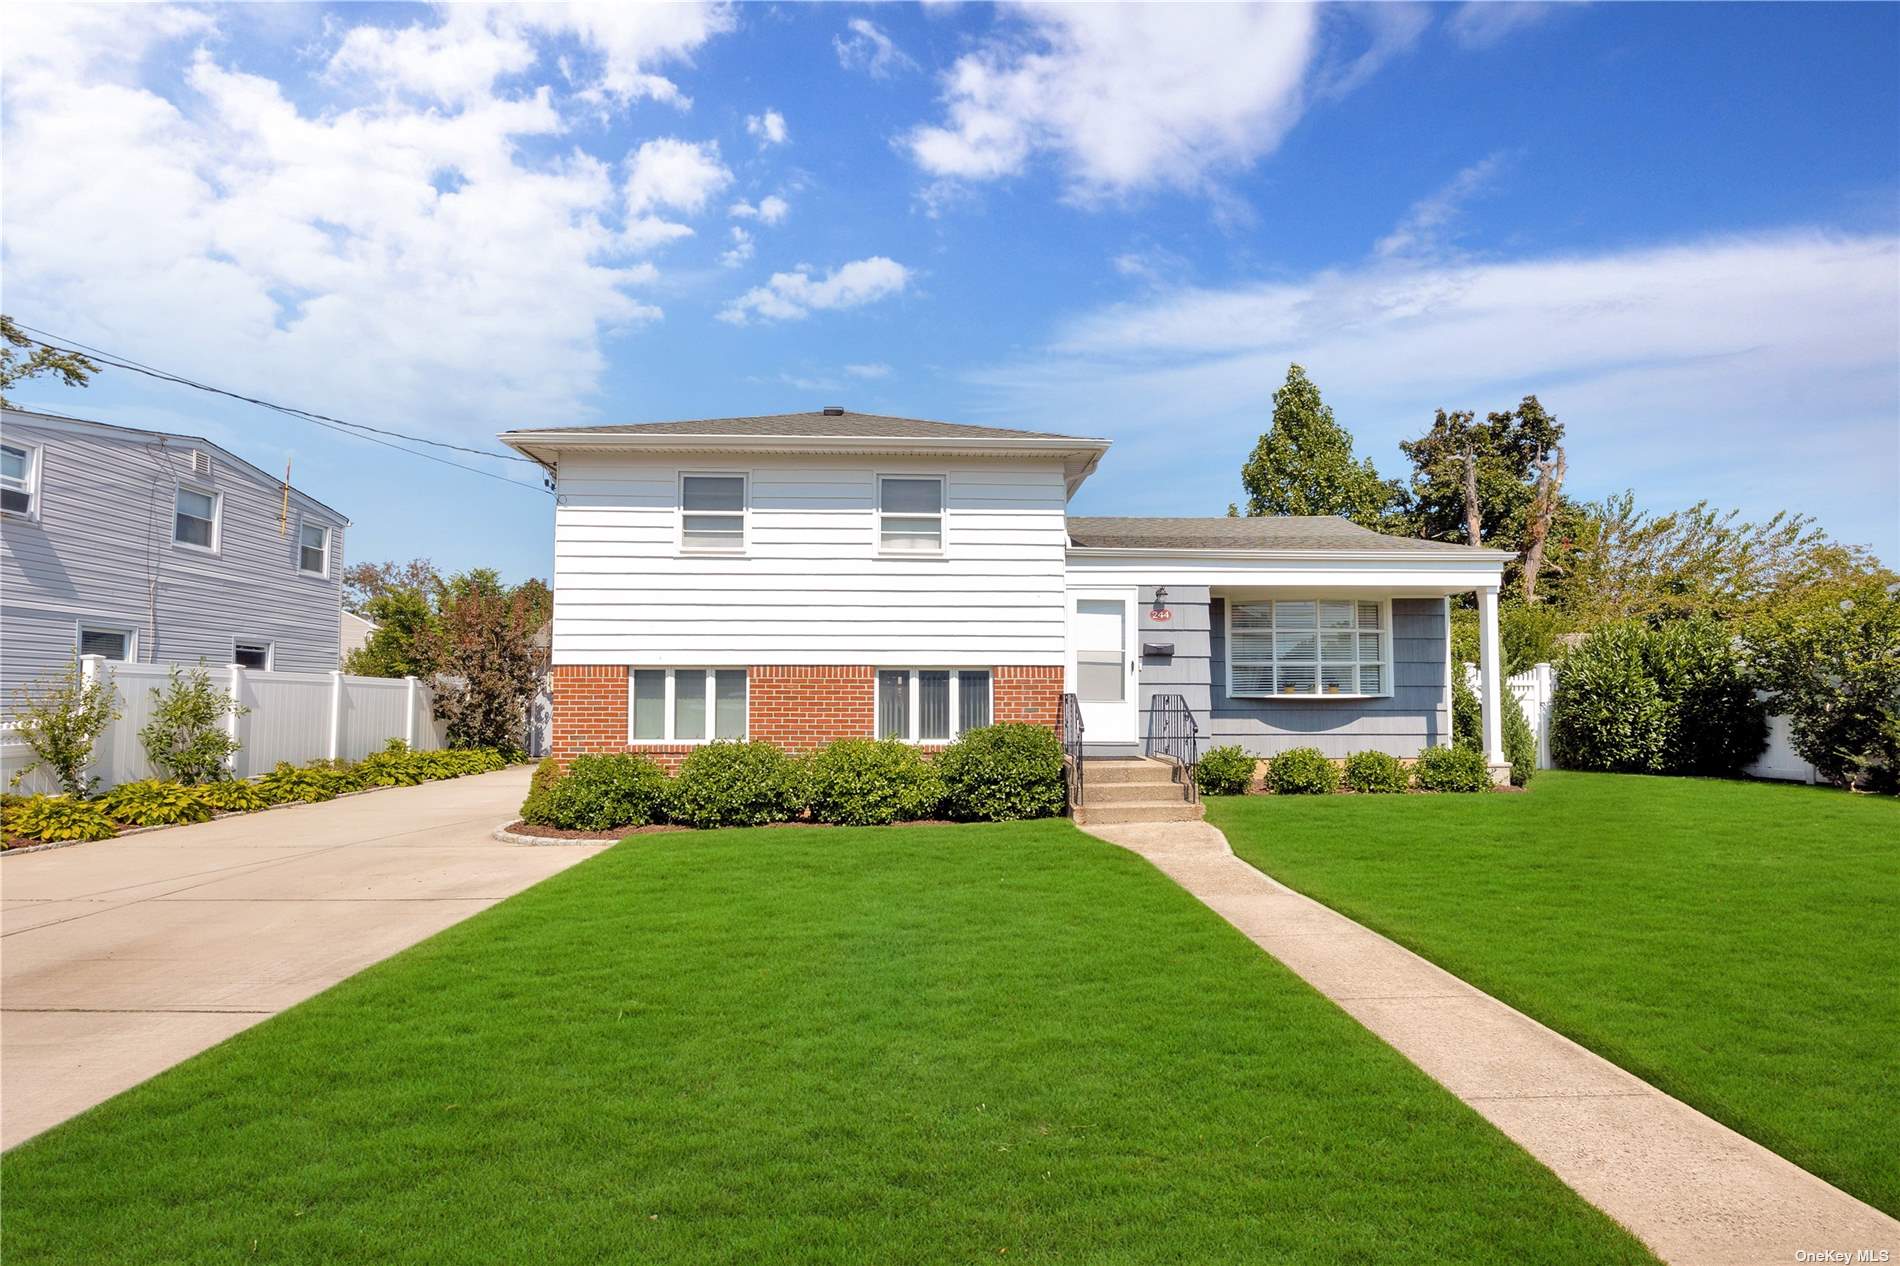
(1693, 1190)
(120, 958)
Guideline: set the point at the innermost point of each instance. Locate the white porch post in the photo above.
(1493, 682)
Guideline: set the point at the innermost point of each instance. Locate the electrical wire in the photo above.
(354, 430)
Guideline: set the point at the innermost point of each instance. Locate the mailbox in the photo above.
(1157, 650)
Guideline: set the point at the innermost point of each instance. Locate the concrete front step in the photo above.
(1102, 772)
(1126, 792)
(1095, 814)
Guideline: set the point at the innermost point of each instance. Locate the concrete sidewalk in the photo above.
(1690, 1188)
(120, 958)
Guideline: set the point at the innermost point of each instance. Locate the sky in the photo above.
(1678, 225)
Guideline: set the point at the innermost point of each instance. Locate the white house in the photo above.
(806, 576)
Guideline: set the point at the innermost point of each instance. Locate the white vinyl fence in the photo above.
(1536, 688)
(293, 717)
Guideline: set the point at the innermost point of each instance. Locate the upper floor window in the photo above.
(910, 513)
(18, 466)
(1307, 646)
(712, 513)
(313, 549)
(195, 522)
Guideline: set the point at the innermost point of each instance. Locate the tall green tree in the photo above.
(1476, 481)
(17, 364)
(1304, 463)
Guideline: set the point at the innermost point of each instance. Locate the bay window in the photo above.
(931, 705)
(686, 705)
(1308, 647)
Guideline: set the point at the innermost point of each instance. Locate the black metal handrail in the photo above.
(1174, 736)
(1072, 747)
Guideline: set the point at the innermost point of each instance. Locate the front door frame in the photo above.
(1103, 722)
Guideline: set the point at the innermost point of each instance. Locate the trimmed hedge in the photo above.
(1004, 773)
(1224, 771)
(735, 784)
(599, 793)
(1452, 769)
(1303, 771)
(1376, 773)
(867, 782)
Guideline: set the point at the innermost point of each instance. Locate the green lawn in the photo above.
(1736, 944)
(906, 1045)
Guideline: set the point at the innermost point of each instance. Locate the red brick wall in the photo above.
(800, 707)
(590, 709)
(1025, 693)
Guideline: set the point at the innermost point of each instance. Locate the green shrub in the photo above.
(1303, 771)
(600, 793)
(186, 739)
(1376, 773)
(1520, 744)
(1467, 714)
(864, 782)
(394, 766)
(1452, 769)
(150, 802)
(1004, 773)
(48, 819)
(287, 784)
(735, 784)
(1608, 712)
(1835, 672)
(60, 721)
(1224, 771)
(1717, 725)
(237, 796)
(545, 775)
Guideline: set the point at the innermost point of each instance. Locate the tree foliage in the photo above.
(60, 720)
(1496, 459)
(186, 739)
(1835, 671)
(488, 664)
(408, 602)
(1304, 463)
(17, 364)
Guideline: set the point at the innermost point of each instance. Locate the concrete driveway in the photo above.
(120, 958)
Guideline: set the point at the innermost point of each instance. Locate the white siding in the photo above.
(811, 587)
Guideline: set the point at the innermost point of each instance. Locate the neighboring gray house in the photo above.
(157, 548)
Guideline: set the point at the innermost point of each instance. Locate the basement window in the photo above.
(686, 705)
(931, 705)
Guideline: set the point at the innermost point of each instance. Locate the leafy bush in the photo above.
(1224, 771)
(1467, 729)
(236, 796)
(287, 784)
(862, 782)
(1303, 771)
(394, 766)
(1718, 726)
(545, 775)
(1835, 672)
(339, 775)
(599, 793)
(1452, 769)
(150, 802)
(48, 819)
(735, 784)
(1375, 772)
(1608, 712)
(1003, 773)
(186, 739)
(1467, 714)
(60, 721)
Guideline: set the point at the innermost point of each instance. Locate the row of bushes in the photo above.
(1306, 771)
(152, 802)
(998, 773)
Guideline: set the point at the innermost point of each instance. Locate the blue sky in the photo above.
(1677, 224)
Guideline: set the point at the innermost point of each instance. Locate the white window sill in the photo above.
(314, 575)
(208, 550)
(917, 555)
(1307, 698)
(711, 553)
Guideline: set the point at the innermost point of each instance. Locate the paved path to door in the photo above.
(120, 958)
(1692, 1189)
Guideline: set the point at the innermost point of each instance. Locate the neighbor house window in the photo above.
(313, 550)
(910, 514)
(114, 644)
(195, 522)
(252, 655)
(931, 705)
(686, 705)
(18, 467)
(1307, 646)
(712, 513)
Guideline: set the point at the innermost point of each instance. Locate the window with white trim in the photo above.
(195, 519)
(1312, 647)
(313, 549)
(910, 514)
(686, 705)
(931, 705)
(712, 513)
(19, 466)
(113, 644)
(251, 654)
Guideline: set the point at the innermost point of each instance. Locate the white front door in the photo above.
(1102, 663)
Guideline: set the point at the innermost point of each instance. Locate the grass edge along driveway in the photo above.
(914, 1044)
(1735, 944)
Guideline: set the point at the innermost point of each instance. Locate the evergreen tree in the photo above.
(1304, 464)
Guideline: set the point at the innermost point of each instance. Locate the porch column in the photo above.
(1493, 718)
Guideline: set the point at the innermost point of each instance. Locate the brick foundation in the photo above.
(590, 710)
(799, 707)
(1027, 693)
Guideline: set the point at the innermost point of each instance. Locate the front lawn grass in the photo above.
(1736, 944)
(914, 1045)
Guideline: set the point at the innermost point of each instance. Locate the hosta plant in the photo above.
(51, 819)
(150, 802)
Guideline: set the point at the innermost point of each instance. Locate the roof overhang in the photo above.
(1079, 456)
(1383, 570)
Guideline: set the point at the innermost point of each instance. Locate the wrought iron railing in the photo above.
(1072, 761)
(1174, 736)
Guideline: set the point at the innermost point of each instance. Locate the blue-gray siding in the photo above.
(101, 551)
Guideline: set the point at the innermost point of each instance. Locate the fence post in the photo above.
(336, 714)
(1546, 677)
(91, 669)
(409, 717)
(231, 719)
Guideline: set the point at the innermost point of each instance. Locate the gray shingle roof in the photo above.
(1268, 532)
(808, 425)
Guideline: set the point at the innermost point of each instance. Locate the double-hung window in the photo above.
(712, 513)
(686, 705)
(1312, 647)
(313, 549)
(931, 705)
(910, 514)
(195, 519)
(113, 644)
(19, 465)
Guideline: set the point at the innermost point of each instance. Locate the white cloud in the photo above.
(770, 209)
(1483, 23)
(741, 249)
(876, 369)
(670, 175)
(869, 49)
(1128, 97)
(767, 128)
(1393, 28)
(1426, 227)
(370, 256)
(795, 295)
